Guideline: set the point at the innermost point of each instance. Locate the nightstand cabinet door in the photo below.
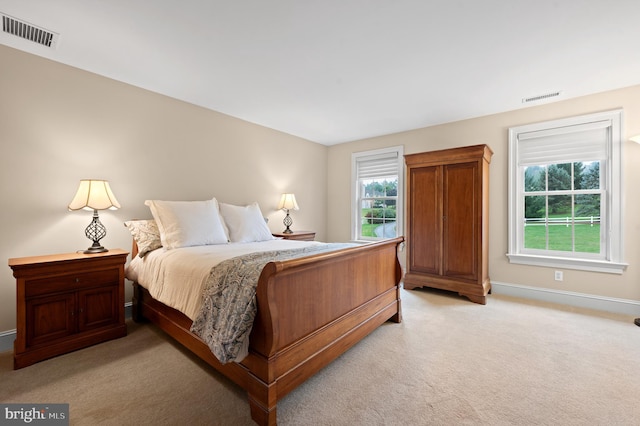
(67, 302)
(50, 318)
(97, 307)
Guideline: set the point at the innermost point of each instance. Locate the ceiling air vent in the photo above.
(28, 31)
(537, 98)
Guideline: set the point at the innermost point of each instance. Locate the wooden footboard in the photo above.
(310, 311)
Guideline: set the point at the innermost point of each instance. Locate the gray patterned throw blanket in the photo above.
(229, 304)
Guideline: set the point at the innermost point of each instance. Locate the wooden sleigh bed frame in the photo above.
(310, 311)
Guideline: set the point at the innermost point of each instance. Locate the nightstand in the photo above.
(67, 302)
(297, 235)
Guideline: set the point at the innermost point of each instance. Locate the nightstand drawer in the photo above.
(46, 286)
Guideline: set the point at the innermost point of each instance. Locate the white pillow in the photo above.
(188, 223)
(245, 223)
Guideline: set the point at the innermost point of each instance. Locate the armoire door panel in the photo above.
(426, 229)
(460, 234)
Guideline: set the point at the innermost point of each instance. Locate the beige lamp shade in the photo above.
(288, 202)
(94, 194)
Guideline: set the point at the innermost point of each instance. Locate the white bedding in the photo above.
(176, 277)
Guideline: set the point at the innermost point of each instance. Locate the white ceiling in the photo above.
(333, 71)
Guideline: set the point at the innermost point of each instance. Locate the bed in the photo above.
(310, 308)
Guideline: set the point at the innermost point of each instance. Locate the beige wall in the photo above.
(59, 125)
(493, 130)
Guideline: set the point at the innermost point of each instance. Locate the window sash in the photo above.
(601, 255)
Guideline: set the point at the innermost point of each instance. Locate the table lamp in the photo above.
(94, 195)
(288, 202)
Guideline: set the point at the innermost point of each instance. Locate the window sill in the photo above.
(569, 263)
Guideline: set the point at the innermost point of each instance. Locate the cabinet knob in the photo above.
(77, 280)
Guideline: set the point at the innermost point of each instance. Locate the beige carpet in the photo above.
(451, 362)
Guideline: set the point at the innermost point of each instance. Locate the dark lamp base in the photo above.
(95, 232)
(93, 250)
(287, 222)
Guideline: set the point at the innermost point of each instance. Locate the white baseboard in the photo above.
(7, 337)
(6, 340)
(589, 301)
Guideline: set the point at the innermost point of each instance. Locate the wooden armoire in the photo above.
(448, 219)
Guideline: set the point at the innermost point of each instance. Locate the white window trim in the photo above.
(355, 219)
(613, 262)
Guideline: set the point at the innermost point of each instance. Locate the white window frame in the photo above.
(611, 183)
(398, 153)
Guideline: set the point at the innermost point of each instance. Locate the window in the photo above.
(377, 189)
(565, 193)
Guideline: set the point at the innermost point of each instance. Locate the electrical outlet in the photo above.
(558, 275)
